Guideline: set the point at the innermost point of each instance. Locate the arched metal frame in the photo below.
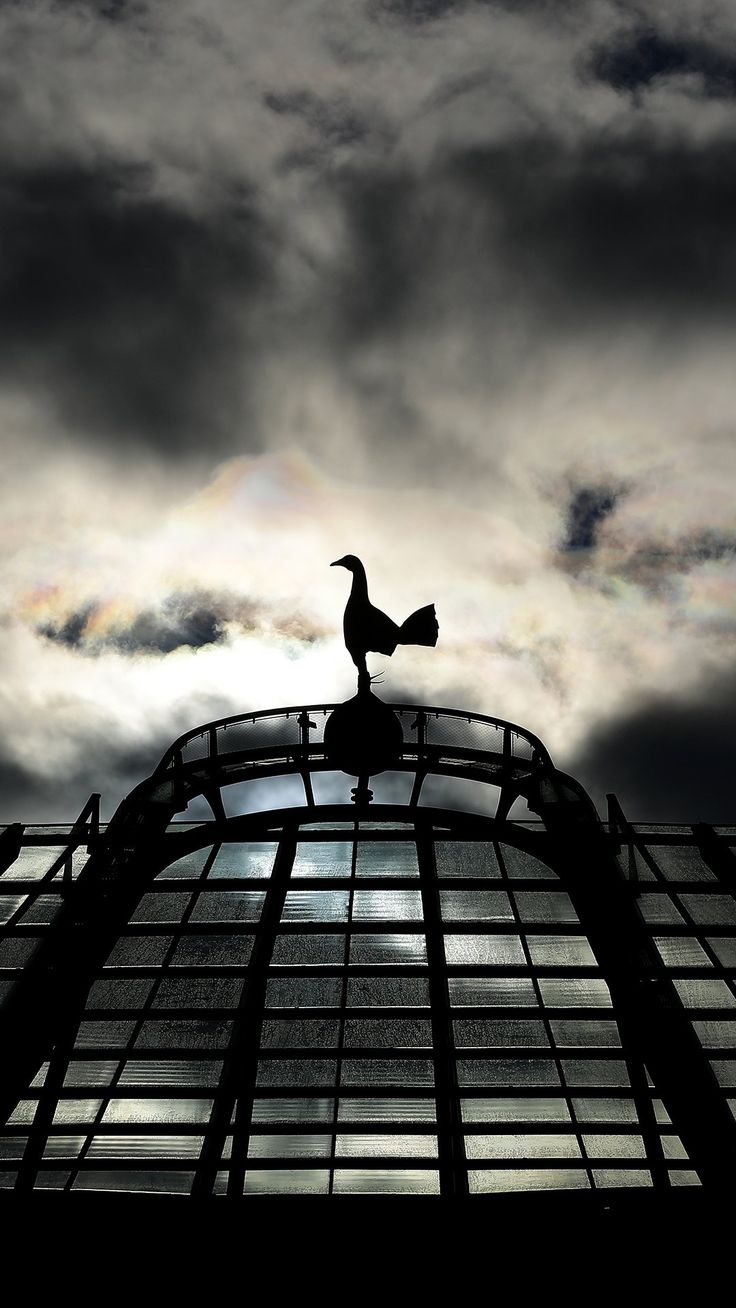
(655, 1029)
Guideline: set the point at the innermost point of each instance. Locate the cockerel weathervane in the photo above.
(368, 630)
(364, 736)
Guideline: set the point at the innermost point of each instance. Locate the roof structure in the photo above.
(367, 999)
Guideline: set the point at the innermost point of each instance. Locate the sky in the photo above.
(449, 286)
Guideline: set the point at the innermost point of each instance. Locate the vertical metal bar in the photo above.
(450, 1139)
(343, 1005)
(238, 1083)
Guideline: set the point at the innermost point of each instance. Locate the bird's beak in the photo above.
(338, 563)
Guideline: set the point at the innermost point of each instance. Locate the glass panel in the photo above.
(119, 993)
(387, 905)
(544, 906)
(388, 992)
(191, 1034)
(583, 1072)
(293, 1110)
(289, 1146)
(681, 862)
(710, 910)
(316, 906)
(508, 992)
(158, 1110)
(656, 909)
(386, 1110)
(476, 905)
(228, 906)
(80, 1072)
(561, 951)
(389, 1071)
(104, 1034)
(204, 992)
(496, 1179)
(33, 862)
(465, 859)
(587, 1031)
(64, 1146)
(520, 865)
(511, 1072)
(705, 994)
(323, 860)
(377, 1181)
(296, 1072)
(614, 1146)
(17, 951)
(388, 1034)
(384, 858)
(304, 992)
(252, 859)
(139, 951)
(294, 951)
(212, 951)
(387, 949)
(716, 1034)
(521, 1146)
(146, 1146)
(283, 1181)
(484, 949)
(76, 1111)
(9, 904)
(23, 1113)
(605, 1110)
(485, 1034)
(607, 1178)
(158, 1182)
(161, 907)
(43, 910)
(386, 1146)
(170, 1071)
(300, 1035)
(673, 1148)
(574, 992)
(514, 1110)
(724, 949)
(681, 951)
(190, 865)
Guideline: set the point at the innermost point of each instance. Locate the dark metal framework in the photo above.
(366, 999)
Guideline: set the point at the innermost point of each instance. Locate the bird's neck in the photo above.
(359, 587)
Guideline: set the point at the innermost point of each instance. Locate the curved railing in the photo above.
(292, 740)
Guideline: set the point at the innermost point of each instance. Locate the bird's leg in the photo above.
(364, 681)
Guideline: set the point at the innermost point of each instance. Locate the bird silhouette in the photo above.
(366, 628)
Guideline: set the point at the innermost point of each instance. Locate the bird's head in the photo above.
(349, 561)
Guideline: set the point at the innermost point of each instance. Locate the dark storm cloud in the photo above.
(637, 231)
(111, 769)
(639, 57)
(181, 621)
(634, 225)
(414, 11)
(667, 757)
(651, 563)
(70, 632)
(124, 309)
(333, 120)
(589, 507)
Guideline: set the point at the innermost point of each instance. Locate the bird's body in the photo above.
(368, 629)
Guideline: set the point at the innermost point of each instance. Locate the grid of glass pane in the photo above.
(337, 1013)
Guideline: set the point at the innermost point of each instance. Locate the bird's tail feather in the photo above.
(420, 628)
